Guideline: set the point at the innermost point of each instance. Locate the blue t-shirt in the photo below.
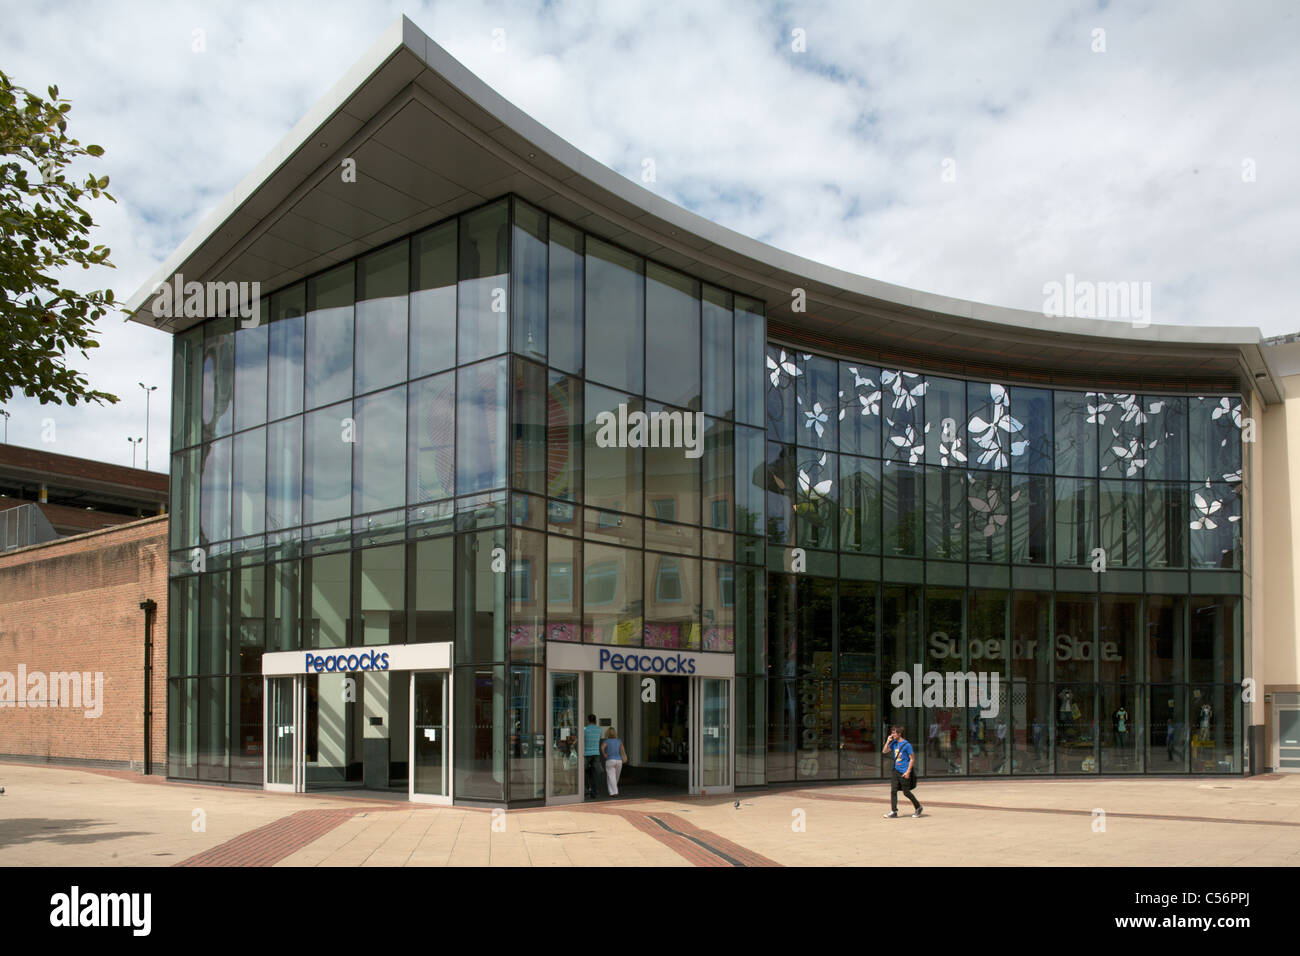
(612, 747)
(591, 741)
(902, 755)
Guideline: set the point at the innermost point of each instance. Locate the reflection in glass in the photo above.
(482, 396)
(481, 297)
(327, 463)
(381, 353)
(329, 336)
(672, 348)
(615, 316)
(433, 300)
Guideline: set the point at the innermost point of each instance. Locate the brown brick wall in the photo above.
(74, 605)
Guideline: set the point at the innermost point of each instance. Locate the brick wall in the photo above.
(74, 605)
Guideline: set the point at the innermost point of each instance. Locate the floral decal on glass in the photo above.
(996, 437)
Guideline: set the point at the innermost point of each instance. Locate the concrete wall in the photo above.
(73, 605)
(1275, 582)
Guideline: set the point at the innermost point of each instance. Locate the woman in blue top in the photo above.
(614, 753)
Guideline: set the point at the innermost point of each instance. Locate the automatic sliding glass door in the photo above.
(430, 769)
(711, 735)
(282, 720)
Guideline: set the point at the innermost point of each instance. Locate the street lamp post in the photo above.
(148, 393)
(135, 443)
(6, 415)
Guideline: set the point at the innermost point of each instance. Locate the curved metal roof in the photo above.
(430, 139)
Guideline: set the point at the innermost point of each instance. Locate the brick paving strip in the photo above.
(696, 845)
(817, 795)
(269, 844)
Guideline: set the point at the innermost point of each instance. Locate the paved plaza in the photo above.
(52, 816)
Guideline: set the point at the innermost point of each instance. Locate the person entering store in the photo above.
(614, 757)
(591, 754)
(904, 776)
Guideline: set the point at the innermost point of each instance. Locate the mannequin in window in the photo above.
(1066, 713)
(1121, 719)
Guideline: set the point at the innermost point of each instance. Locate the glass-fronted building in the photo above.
(514, 454)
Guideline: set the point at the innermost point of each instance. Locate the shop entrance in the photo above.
(349, 720)
(676, 730)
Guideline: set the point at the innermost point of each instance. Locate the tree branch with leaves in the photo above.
(45, 231)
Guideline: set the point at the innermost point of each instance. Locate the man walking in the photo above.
(904, 773)
(591, 752)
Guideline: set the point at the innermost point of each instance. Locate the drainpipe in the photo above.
(150, 609)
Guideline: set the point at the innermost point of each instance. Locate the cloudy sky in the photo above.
(978, 150)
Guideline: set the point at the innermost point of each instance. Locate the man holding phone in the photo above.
(904, 773)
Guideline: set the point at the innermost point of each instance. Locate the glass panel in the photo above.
(246, 729)
(990, 501)
(997, 436)
(782, 398)
(751, 723)
(1075, 640)
(281, 732)
(214, 728)
(1031, 519)
(480, 598)
(1031, 718)
(214, 495)
(480, 722)
(1031, 635)
(817, 499)
(183, 729)
(527, 723)
(859, 504)
(482, 397)
(249, 625)
(187, 388)
(563, 589)
(612, 474)
(218, 378)
(945, 513)
(672, 350)
(750, 331)
(379, 460)
(672, 601)
(1165, 437)
(183, 627)
(719, 477)
(430, 706)
(1032, 407)
(817, 759)
(1212, 639)
(903, 431)
(751, 620)
(381, 596)
(249, 493)
(946, 741)
(564, 294)
(1076, 521)
(528, 459)
(859, 417)
(1212, 746)
(1169, 731)
(782, 730)
(382, 279)
(1118, 656)
(284, 475)
(718, 352)
(484, 268)
(814, 625)
(433, 300)
(431, 584)
(672, 470)
(1165, 638)
(751, 480)
(285, 366)
(902, 511)
(615, 317)
(781, 487)
(284, 627)
(529, 274)
(327, 463)
(1215, 428)
(214, 623)
(329, 336)
(818, 403)
(715, 731)
(900, 631)
(527, 599)
(566, 728)
(1123, 454)
(1166, 525)
(1121, 523)
(1119, 737)
(1075, 429)
(185, 499)
(859, 710)
(431, 453)
(1076, 728)
(945, 423)
(329, 591)
(719, 607)
(612, 595)
(1216, 526)
(250, 376)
